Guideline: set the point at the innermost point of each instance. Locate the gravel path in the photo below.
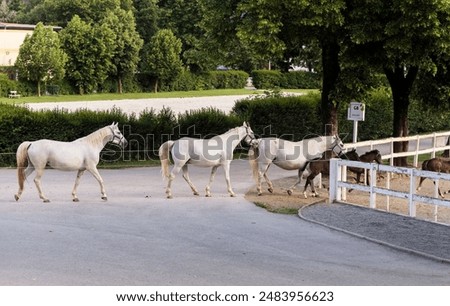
(178, 105)
(402, 232)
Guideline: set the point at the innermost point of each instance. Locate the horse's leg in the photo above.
(175, 170)
(263, 174)
(188, 180)
(37, 181)
(211, 179)
(311, 183)
(299, 179)
(99, 179)
(77, 182)
(308, 182)
(226, 168)
(28, 171)
(420, 183)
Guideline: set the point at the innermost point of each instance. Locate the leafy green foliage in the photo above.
(90, 49)
(269, 79)
(162, 57)
(292, 118)
(41, 58)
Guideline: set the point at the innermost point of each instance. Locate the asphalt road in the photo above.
(138, 237)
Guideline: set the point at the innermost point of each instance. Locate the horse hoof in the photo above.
(105, 198)
(304, 195)
(196, 193)
(289, 192)
(270, 190)
(46, 201)
(75, 200)
(208, 195)
(16, 197)
(232, 195)
(169, 197)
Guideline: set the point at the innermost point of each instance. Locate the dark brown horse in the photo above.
(368, 157)
(322, 165)
(437, 164)
(314, 167)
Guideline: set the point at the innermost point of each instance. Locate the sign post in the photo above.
(356, 112)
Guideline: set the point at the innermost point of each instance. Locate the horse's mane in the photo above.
(97, 136)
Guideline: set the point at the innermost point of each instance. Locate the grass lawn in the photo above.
(145, 95)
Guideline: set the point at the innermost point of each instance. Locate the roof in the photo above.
(18, 26)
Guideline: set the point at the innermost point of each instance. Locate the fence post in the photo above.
(412, 188)
(333, 177)
(373, 182)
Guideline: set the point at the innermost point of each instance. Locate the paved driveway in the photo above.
(138, 237)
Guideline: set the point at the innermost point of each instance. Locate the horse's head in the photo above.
(249, 135)
(117, 136)
(350, 155)
(337, 146)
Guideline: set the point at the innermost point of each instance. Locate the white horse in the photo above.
(287, 155)
(213, 152)
(81, 154)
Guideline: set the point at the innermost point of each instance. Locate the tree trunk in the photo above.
(119, 85)
(401, 81)
(156, 86)
(39, 88)
(330, 62)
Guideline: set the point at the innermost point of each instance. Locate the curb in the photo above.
(381, 242)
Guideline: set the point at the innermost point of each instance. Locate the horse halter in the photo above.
(121, 138)
(248, 134)
(337, 142)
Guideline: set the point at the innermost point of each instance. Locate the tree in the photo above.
(127, 44)
(41, 58)
(162, 57)
(146, 13)
(405, 38)
(90, 50)
(277, 30)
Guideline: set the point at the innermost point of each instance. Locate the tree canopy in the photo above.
(41, 58)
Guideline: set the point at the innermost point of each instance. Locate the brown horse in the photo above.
(437, 164)
(316, 166)
(368, 157)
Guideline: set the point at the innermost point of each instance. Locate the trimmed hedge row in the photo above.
(145, 133)
(291, 118)
(187, 80)
(268, 79)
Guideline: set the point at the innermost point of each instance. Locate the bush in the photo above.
(6, 85)
(269, 79)
(266, 79)
(206, 123)
(292, 118)
(300, 80)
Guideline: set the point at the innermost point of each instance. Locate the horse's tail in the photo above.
(253, 153)
(22, 162)
(164, 152)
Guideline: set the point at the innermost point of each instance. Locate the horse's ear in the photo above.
(245, 124)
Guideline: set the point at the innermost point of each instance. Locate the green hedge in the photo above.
(269, 79)
(230, 79)
(291, 118)
(145, 133)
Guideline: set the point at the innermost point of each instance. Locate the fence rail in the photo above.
(339, 184)
(419, 144)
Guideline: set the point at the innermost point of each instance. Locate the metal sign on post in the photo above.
(356, 112)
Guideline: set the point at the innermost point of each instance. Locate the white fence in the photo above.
(339, 184)
(419, 144)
